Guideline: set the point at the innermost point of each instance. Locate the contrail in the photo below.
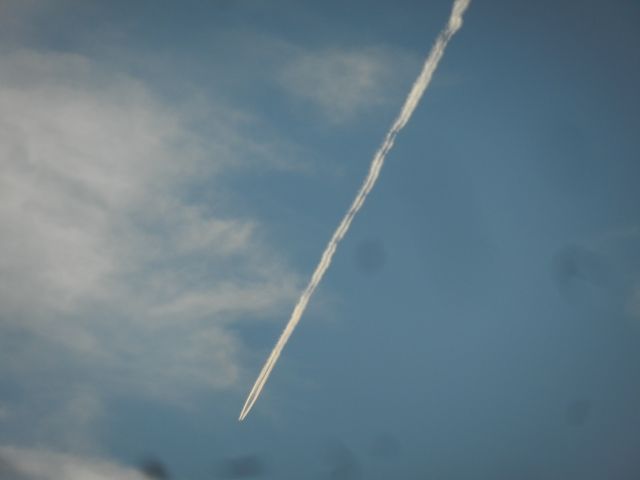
(420, 85)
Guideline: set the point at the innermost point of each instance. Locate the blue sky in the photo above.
(171, 174)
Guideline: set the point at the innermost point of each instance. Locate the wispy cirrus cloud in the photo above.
(122, 263)
(342, 84)
(335, 82)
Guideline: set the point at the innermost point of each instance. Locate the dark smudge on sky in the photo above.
(154, 468)
(343, 463)
(245, 466)
(579, 270)
(578, 412)
(370, 256)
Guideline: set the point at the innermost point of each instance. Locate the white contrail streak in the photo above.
(420, 85)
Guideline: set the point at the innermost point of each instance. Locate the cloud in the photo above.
(345, 83)
(337, 82)
(15, 16)
(124, 261)
(28, 464)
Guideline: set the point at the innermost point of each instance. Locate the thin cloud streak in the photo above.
(418, 89)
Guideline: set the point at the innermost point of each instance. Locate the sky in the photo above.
(171, 172)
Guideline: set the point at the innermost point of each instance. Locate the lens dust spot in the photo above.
(155, 469)
(370, 256)
(245, 466)
(578, 412)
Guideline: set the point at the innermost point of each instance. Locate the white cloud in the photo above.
(31, 464)
(345, 83)
(111, 267)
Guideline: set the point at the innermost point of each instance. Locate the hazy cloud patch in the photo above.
(344, 83)
(114, 271)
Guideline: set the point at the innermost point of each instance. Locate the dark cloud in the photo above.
(245, 466)
(578, 412)
(154, 468)
(370, 256)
